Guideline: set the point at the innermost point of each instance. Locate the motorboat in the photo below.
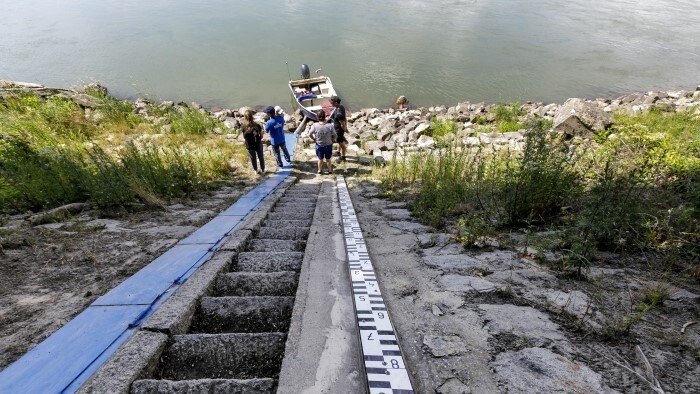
(312, 94)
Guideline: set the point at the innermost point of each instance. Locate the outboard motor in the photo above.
(305, 73)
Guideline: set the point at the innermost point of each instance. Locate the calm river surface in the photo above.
(233, 53)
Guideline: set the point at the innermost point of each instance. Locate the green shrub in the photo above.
(508, 187)
(538, 183)
(506, 117)
(440, 128)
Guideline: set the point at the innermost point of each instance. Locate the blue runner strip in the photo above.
(66, 360)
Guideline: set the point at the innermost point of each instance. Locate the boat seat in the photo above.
(323, 87)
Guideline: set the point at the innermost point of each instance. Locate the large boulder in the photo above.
(86, 101)
(580, 118)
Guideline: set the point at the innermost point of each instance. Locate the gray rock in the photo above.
(432, 240)
(436, 310)
(546, 371)
(580, 118)
(682, 294)
(522, 321)
(575, 303)
(454, 386)
(446, 249)
(413, 227)
(454, 262)
(86, 101)
(374, 145)
(232, 123)
(441, 346)
(398, 214)
(459, 283)
(425, 142)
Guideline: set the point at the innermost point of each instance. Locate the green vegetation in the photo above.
(440, 128)
(636, 190)
(52, 152)
(506, 117)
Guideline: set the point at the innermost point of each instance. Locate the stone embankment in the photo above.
(383, 134)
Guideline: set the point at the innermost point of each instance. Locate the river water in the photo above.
(234, 53)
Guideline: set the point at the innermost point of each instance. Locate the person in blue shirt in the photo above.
(275, 127)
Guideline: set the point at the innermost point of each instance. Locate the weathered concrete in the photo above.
(228, 356)
(257, 284)
(276, 245)
(136, 359)
(243, 314)
(211, 386)
(283, 233)
(286, 223)
(237, 241)
(290, 216)
(547, 372)
(175, 315)
(269, 261)
(322, 354)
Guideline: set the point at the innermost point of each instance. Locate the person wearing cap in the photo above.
(323, 134)
(341, 125)
(275, 127)
(252, 134)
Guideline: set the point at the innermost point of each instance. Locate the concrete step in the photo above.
(283, 233)
(290, 215)
(276, 245)
(250, 284)
(312, 198)
(243, 314)
(296, 208)
(211, 386)
(269, 261)
(286, 223)
(223, 356)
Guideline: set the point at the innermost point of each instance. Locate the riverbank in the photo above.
(456, 279)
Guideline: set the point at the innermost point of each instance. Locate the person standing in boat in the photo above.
(275, 127)
(341, 125)
(323, 134)
(253, 133)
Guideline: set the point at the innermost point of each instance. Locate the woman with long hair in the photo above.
(253, 133)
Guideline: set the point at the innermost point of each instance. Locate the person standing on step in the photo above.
(275, 127)
(341, 125)
(323, 134)
(253, 135)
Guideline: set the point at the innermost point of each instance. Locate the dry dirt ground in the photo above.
(479, 321)
(49, 273)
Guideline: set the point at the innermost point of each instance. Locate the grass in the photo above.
(53, 153)
(636, 190)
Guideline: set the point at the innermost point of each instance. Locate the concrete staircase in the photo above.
(236, 341)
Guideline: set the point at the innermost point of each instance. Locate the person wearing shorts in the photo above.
(341, 125)
(323, 134)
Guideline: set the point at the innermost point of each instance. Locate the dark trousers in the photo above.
(257, 151)
(276, 149)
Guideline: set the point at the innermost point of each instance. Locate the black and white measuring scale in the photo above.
(384, 364)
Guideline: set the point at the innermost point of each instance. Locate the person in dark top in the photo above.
(253, 133)
(275, 127)
(341, 125)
